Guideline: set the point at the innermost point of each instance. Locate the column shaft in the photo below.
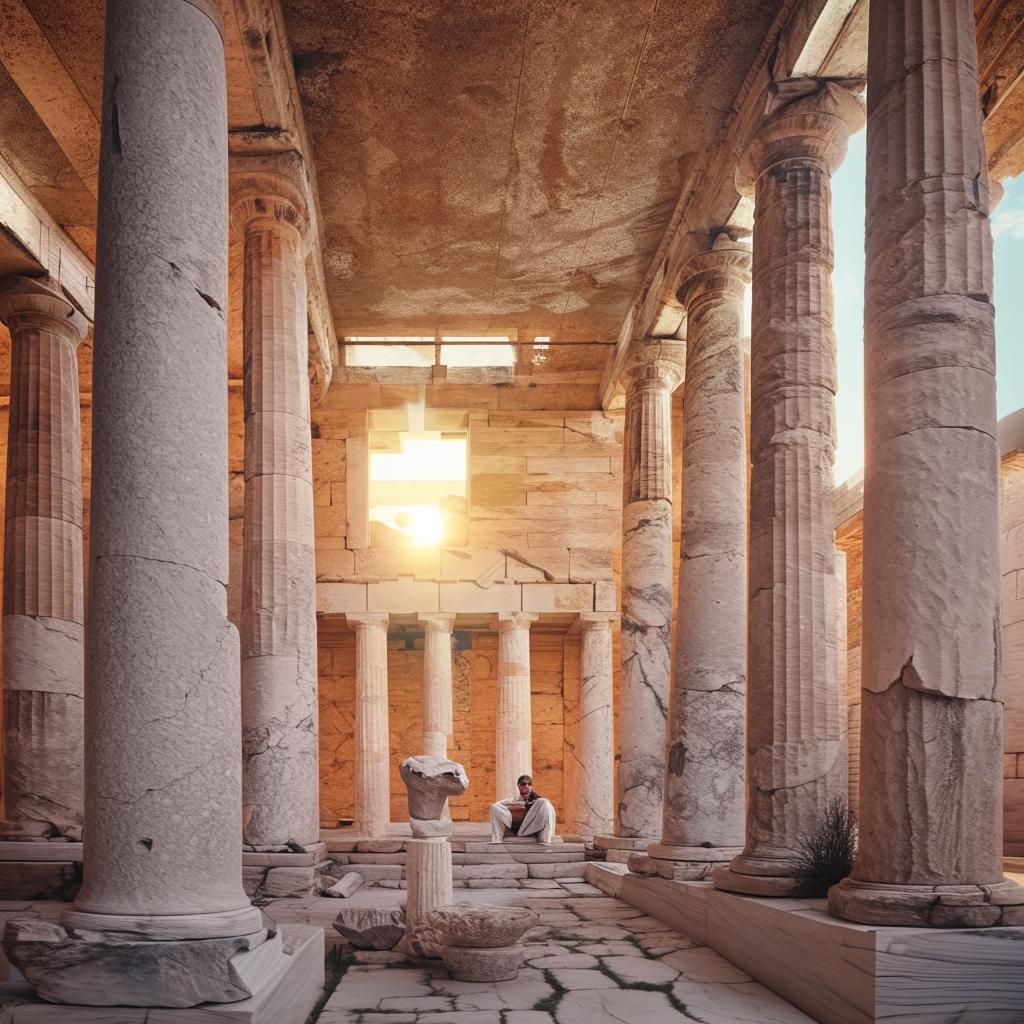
(163, 762)
(43, 631)
(373, 793)
(437, 683)
(931, 714)
(595, 752)
(704, 793)
(796, 758)
(514, 740)
(279, 685)
(646, 640)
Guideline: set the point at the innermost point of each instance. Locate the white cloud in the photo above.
(1009, 222)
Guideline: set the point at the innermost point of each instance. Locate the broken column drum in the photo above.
(796, 749)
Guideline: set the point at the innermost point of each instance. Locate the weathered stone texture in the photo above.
(372, 803)
(513, 750)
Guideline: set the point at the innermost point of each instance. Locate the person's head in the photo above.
(525, 784)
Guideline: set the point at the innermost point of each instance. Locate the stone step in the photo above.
(576, 870)
(619, 856)
(528, 845)
(529, 857)
(482, 858)
(371, 858)
(467, 871)
(378, 872)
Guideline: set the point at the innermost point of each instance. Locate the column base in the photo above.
(282, 981)
(932, 906)
(282, 875)
(759, 876)
(40, 871)
(682, 863)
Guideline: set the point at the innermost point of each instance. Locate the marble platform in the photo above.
(287, 994)
(839, 972)
(40, 871)
(279, 875)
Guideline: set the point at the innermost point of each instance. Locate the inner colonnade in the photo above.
(710, 729)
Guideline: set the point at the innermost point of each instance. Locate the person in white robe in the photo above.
(539, 820)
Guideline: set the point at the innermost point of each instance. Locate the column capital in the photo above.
(367, 620)
(514, 620)
(270, 188)
(597, 620)
(437, 622)
(724, 268)
(807, 119)
(37, 302)
(656, 365)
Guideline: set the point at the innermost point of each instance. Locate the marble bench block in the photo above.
(845, 973)
(284, 993)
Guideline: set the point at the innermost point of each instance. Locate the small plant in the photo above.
(826, 853)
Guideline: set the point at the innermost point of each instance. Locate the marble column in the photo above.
(43, 632)
(280, 776)
(372, 763)
(595, 751)
(646, 641)
(703, 819)
(514, 726)
(796, 756)
(931, 714)
(163, 874)
(437, 683)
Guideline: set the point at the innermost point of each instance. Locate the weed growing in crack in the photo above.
(336, 963)
(549, 1004)
(825, 854)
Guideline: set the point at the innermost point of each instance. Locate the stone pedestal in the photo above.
(595, 753)
(280, 780)
(373, 796)
(646, 641)
(161, 920)
(931, 712)
(43, 633)
(703, 817)
(796, 756)
(514, 740)
(437, 683)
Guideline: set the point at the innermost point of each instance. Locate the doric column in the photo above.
(279, 685)
(514, 728)
(43, 631)
(595, 752)
(163, 750)
(437, 683)
(646, 640)
(372, 771)
(704, 795)
(795, 750)
(931, 713)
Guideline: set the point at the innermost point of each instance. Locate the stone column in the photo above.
(704, 805)
(646, 641)
(931, 714)
(280, 779)
(595, 751)
(163, 752)
(514, 740)
(43, 632)
(437, 683)
(796, 756)
(373, 789)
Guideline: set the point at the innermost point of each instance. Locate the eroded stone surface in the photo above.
(373, 804)
(466, 924)
(514, 723)
(429, 782)
(483, 964)
(371, 928)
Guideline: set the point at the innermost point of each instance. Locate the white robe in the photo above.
(539, 821)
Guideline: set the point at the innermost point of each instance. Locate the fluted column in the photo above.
(595, 751)
(796, 756)
(279, 684)
(646, 641)
(514, 727)
(373, 791)
(704, 805)
(43, 632)
(931, 713)
(437, 683)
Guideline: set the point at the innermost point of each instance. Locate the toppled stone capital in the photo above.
(429, 781)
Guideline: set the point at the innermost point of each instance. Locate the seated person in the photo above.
(529, 815)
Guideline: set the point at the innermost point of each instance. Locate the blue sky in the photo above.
(848, 280)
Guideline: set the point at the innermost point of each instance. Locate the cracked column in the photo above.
(931, 713)
(796, 752)
(595, 753)
(437, 683)
(43, 632)
(372, 753)
(280, 776)
(646, 642)
(163, 752)
(703, 819)
(514, 724)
